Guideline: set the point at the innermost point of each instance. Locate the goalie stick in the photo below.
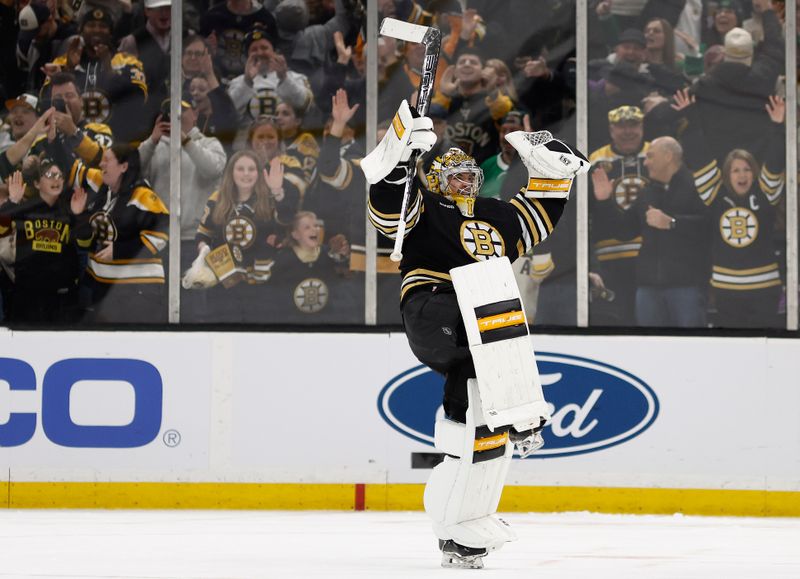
(432, 39)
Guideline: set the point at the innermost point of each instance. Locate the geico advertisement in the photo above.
(104, 401)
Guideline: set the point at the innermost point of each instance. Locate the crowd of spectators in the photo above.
(685, 102)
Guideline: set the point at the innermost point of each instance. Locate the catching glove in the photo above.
(551, 164)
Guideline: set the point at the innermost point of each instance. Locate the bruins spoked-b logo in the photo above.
(738, 226)
(311, 295)
(481, 240)
(103, 226)
(240, 231)
(627, 189)
(96, 107)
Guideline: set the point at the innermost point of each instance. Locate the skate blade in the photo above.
(452, 561)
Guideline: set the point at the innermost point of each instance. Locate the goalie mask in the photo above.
(457, 176)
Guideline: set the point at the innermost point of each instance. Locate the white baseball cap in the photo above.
(157, 3)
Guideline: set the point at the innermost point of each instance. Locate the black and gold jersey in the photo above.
(252, 239)
(743, 256)
(438, 237)
(88, 144)
(628, 177)
(135, 220)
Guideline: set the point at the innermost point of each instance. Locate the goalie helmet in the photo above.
(458, 177)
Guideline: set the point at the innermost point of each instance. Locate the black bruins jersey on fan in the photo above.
(743, 257)
(252, 240)
(46, 244)
(309, 290)
(628, 177)
(439, 238)
(136, 221)
(114, 96)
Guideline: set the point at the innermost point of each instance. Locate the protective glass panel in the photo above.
(271, 186)
(686, 137)
(83, 236)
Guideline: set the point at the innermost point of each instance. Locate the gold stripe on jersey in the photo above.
(530, 233)
(421, 276)
(387, 223)
(535, 216)
(298, 182)
(771, 184)
(746, 279)
(155, 241)
(611, 249)
(543, 213)
(707, 181)
(341, 179)
(125, 271)
(146, 199)
(88, 149)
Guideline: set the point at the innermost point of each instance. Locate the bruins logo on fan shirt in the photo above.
(96, 106)
(627, 189)
(103, 226)
(481, 240)
(311, 295)
(739, 227)
(263, 104)
(240, 231)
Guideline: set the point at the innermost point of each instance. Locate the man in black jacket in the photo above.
(673, 265)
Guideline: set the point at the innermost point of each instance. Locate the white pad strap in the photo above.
(463, 492)
(497, 334)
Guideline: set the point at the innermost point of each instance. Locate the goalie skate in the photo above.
(461, 557)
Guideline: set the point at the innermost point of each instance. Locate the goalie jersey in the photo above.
(438, 237)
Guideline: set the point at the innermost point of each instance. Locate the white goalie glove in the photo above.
(551, 164)
(407, 133)
(199, 276)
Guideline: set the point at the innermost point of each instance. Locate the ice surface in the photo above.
(252, 544)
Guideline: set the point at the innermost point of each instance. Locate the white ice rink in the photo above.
(248, 544)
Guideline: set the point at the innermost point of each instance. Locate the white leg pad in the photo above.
(497, 333)
(463, 492)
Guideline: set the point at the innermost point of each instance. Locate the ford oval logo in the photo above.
(594, 405)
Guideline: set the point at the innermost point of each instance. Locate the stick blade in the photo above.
(403, 30)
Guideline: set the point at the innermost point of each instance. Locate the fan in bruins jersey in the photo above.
(449, 225)
(239, 233)
(623, 161)
(129, 226)
(745, 276)
(112, 84)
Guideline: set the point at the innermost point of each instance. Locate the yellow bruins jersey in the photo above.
(439, 238)
(628, 177)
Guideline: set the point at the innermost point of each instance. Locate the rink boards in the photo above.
(344, 421)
